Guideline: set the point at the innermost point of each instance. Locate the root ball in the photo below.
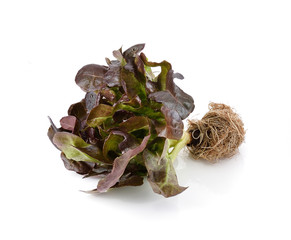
(217, 135)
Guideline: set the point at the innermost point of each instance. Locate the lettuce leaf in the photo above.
(77, 149)
(161, 173)
(119, 165)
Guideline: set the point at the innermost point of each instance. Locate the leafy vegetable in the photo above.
(128, 126)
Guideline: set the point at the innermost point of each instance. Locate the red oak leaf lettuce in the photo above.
(128, 126)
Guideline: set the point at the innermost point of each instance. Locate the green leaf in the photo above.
(142, 111)
(134, 124)
(99, 114)
(149, 73)
(111, 147)
(165, 67)
(161, 173)
(132, 86)
(77, 149)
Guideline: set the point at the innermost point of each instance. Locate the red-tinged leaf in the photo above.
(133, 51)
(98, 172)
(91, 77)
(99, 114)
(129, 141)
(170, 94)
(151, 87)
(93, 137)
(161, 173)
(165, 67)
(118, 54)
(68, 123)
(181, 97)
(181, 102)
(107, 61)
(112, 76)
(119, 167)
(77, 166)
(129, 180)
(52, 131)
(108, 94)
(174, 125)
(122, 115)
(139, 64)
(134, 123)
(132, 86)
(78, 110)
(111, 147)
(77, 149)
(92, 100)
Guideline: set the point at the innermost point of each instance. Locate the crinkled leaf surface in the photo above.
(174, 97)
(99, 114)
(76, 148)
(170, 94)
(91, 77)
(142, 111)
(112, 76)
(129, 141)
(174, 125)
(119, 166)
(121, 128)
(132, 86)
(134, 123)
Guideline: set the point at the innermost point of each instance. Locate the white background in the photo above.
(234, 52)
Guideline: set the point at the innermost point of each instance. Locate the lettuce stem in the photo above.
(177, 147)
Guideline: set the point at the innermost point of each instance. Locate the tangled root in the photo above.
(217, 135)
